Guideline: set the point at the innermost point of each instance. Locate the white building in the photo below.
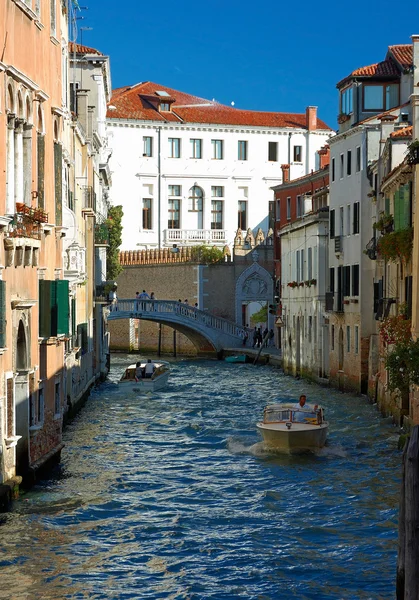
(191, 171)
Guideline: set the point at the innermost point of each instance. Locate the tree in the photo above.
(207, 254)
(113, 222)
(261, 316)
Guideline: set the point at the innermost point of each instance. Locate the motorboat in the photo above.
(137, 379)
(290, 429)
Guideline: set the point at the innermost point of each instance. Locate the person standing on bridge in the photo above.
(143, 296)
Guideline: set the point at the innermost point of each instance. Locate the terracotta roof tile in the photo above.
(134, 103)
(386, 68)
(78, 49)
(403, 54)
(406, 132)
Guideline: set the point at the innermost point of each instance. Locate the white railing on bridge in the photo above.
(197, 236)
(171, 307)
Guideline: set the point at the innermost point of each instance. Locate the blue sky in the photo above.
(271, 56)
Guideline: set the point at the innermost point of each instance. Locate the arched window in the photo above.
(196, 202)
(21, 349)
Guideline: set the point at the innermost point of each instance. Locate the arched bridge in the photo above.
(209, 333)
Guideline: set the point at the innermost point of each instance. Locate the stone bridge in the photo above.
(210, 334)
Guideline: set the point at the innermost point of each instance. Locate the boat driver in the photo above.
(299, 415)
(149, 368)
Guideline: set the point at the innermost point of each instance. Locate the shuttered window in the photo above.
(402, 207)
(41, 170)
(82, 338)
(54, 311)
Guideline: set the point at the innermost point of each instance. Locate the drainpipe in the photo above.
(159, 185)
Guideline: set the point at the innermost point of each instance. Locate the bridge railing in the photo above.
(191, 313)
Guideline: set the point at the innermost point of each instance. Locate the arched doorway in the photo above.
(254, 292)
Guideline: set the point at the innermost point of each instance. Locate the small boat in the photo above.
(135, 378)
(289, 429)
(239, 358)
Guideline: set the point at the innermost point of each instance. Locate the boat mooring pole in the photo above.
(174, 343)
(159, 346)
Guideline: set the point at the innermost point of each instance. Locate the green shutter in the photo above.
(63, 306)
(45, 308)
(397, 210)
(2, 314)
(58, 173)
(387, 205)
(73, 317)
(406, 206)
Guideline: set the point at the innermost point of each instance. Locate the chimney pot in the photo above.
(311, 118)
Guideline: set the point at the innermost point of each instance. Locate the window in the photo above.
(332, 279)
(54, 308)
(355, 222)
(242, 215)
(358, 159)
(347, 280)
(196, 148)
(242, 150)
(302, 269)
(278, 210)
(348, 220)
(288, 209)
(273, 151)
(355, 280)
(333, 169)
(41, 403)
(310, 325)
(38, 7)
(346, 97)
(310, 263)
(146, 213)
(217, 149)
(342, 221)
(175, 190)
(300, 204)
(216, 208)
(356, 339)
(147, 146)
(57, 402)
(342, 162)
(298, 154)
(196, 196)
(381, 97)
(173, 213)
(349, 162)
(348, 338)
(53, 17)
(298, 262)
(164, 107)
(174, 147)
(402, 207)
(332, 224)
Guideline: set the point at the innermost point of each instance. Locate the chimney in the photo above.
(311, 118)
(324, 156)
(285, 173)
(387, 126)
(82, 108)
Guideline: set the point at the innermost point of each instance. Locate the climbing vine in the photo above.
(113, 222)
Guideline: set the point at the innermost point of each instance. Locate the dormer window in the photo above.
(379, 97)
(164, 107)
(346, 96)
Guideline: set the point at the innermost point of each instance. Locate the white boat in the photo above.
(291, 429)
(135, 378)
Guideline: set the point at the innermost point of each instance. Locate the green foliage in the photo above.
(207, 254)
(397, 245)
(113, 223)
(260, 317)
(402, 364)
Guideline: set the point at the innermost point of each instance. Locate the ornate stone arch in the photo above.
(28, 109)
(22, 344)
(11, 96)
(40, 120)
(20, 106)
(254, 284)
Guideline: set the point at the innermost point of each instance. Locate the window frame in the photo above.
(348, 163)
(242, 204)
(383, 86)
(147, 146)
(196, 148)
(242, 150)
(217, 149)
(146, 214)
(174, 147)
(289, 208)
(297, 153)
(272, 151)
(355, 218)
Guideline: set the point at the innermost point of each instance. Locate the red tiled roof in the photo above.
(403, 54)
(134, 103)
(406, 132)
(386, 68)
(79, 49)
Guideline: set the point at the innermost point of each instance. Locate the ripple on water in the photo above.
(175, 496)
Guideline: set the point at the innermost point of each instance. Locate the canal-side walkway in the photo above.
(268, 355)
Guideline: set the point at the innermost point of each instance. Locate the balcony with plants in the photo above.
(396, 246)
(413, 153)
(101, 234)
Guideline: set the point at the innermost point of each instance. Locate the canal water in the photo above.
(172, 496)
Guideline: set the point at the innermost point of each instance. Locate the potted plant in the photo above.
(396, 246)
(413, 153)
(384, 223)
(292, 284)
(343, 117)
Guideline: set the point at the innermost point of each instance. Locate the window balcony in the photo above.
(101, 234)
(195, 236)
(27, 222)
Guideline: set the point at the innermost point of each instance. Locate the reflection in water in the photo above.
(173, 495)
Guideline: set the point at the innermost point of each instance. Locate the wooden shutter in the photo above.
(397, 222)
(10, 389)
(58, 174)
(41, 170)
(45, 308)
(63, 306)
(2, 314)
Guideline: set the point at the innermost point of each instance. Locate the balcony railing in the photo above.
(36, 214)
(338, 244)
(101, 234)
(195, 236)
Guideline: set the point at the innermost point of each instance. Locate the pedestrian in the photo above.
(144, 295)
(255, 337)
(185, 301)
(113, 299)
(271, 336)
(259, 337)
(265, 336)
(245, 337)
(196, 304)
(152, 296)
